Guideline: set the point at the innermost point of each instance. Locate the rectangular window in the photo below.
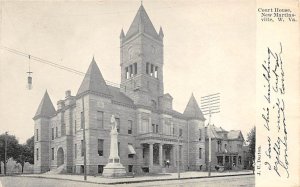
(118, 124)
(131, 70)
(52, 153)
(240, 160)
(180, 132)
(144, 127)
(82, 169)
(200, 153)
(56, 132)
(82, 120)
(144, 152)
(100, 169)
(100, 118)
(82, 148)
(52, 133)
(156, 72)
(130, 168)
(75, 129)
(126, 73)
(200, 134)
(135, 68)
(153, 128)
(147, 68)
(219, 146)
(100, 147)
(37, 134)
(151, 72)
(130, 155)
(75, 150)
(156, 128)
(129, 126)
(173, 131)
(37, 153)
(119, 148)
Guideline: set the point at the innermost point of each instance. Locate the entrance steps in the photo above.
(58, 170)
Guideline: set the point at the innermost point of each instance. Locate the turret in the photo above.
(196, 134)
(41, 119)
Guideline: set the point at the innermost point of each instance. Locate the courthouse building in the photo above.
(151, 132)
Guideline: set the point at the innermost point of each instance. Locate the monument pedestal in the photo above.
(114, 170)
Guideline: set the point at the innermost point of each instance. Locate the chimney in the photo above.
(68, 94)
(60, 104)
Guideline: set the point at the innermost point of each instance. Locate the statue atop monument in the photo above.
(113, 123)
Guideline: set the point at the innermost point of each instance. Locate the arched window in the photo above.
(153, 104)
(130, 52)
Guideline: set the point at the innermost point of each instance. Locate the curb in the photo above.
(138, 181)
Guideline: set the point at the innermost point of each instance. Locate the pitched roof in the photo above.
(46, 108)
(193, 110)
(119, 97)
(214, 131)
(219, 129)
(235, 134)
(93, 81)
(141, 23)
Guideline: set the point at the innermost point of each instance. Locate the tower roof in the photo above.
(141, 23)
(46, 108)
(192, 110)
(93, 81)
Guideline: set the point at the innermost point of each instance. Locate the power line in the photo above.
(55, 65)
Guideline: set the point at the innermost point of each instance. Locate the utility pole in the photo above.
(178, 158)
(210, 104)
(84, 141)
(5, 153)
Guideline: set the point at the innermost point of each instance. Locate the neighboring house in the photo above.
(226, 148)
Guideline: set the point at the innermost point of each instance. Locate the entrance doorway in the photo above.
(60, 157)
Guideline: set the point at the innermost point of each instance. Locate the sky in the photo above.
(209, 47)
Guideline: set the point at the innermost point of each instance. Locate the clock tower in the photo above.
(142, 60)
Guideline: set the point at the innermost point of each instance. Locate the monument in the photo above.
(114, 168)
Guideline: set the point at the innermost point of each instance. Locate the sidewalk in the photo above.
(137, 179)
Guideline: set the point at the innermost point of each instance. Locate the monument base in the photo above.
(112, 170)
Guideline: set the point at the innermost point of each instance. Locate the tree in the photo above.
(26, 153)
(251, 137)
(30, 144)
(12, 148)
